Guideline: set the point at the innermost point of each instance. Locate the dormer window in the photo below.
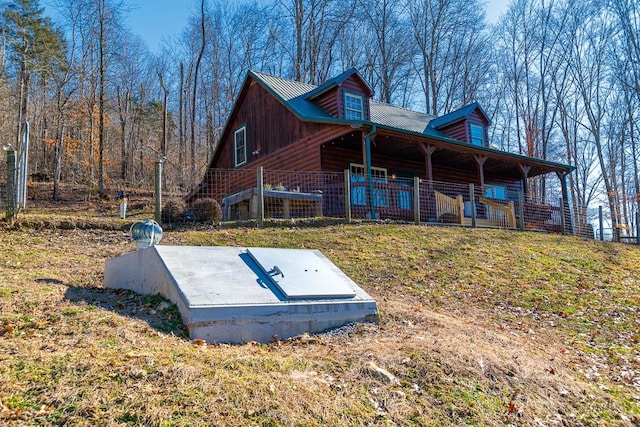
(353, 106)
(477, 134)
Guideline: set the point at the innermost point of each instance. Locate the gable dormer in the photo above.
(468, 124)
(344, 97)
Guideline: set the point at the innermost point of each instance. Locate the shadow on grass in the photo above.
(155, 310)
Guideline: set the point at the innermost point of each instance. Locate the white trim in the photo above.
(243, 147)
(376, 172)
(359, 99)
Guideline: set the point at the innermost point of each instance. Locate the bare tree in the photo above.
(389, 57)
(452, 58)
(194, 99)
(35, 47)
(316, 26)
(587, 59)
(625, 56)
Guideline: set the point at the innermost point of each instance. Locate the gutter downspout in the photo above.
(367, 158)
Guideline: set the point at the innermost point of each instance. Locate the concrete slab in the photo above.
(224, 295)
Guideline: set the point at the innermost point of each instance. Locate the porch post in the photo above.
(367, 164)
(347, 194)
(566, 213)
(480, 162)
(428, 151)
(416, 200)
(524, 170)
(472, 203)
(260, 196)
(521, 209)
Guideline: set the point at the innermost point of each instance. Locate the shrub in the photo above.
(173, 211)
(207, 210)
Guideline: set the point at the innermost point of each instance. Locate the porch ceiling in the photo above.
(462, 156)
(450, 155)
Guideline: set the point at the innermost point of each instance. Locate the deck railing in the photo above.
(293, 194)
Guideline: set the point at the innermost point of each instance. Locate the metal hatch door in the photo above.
(301, 273)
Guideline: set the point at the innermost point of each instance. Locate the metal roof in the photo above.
(401, 118)
(457, 115)
(294, 95)
(337, 81)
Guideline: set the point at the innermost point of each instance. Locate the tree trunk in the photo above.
(58, 166)
(194, 101)
(165, 96)
(101, 86)
(181, 133)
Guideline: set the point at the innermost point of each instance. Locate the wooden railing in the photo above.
(449, 209)
(500, 215)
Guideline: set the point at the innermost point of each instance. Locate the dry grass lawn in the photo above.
(478, 327)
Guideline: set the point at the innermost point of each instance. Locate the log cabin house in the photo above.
(284, 125)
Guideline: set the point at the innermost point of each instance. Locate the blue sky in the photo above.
(158, 20)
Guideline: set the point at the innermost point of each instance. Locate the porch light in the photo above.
(145, 234)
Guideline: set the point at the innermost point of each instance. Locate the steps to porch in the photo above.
(453, 210)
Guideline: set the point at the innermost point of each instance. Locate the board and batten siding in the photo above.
(270, 126)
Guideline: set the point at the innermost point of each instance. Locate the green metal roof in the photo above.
(293, 95)
(335, 82)
(457, 115)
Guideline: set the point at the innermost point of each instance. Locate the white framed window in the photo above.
(376, 173)
(477, 134)
(240, 146)
(359, 189)
(353, 106)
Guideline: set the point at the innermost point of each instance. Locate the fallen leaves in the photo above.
(529, 289)
(8, 328)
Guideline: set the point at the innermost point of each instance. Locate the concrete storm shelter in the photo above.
(236, 295)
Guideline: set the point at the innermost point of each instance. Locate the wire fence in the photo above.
(259, 195)
(266, 194)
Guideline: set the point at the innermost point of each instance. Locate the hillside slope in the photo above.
(478, 327)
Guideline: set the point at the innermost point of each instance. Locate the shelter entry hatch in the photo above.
(301, 274)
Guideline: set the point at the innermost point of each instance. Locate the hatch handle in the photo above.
(275, 271)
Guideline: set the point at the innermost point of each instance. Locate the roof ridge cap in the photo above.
(255, 72)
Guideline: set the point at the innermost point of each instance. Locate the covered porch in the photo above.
(347, 196)
(472, 183)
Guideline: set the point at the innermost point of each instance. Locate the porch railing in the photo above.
(264, 194)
